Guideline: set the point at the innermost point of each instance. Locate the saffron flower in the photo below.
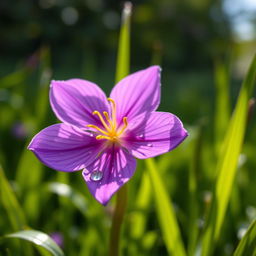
(103, 136)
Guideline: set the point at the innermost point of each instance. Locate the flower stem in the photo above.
(121, 200)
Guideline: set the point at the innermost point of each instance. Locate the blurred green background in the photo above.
(199, 44)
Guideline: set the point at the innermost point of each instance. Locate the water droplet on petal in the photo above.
(91, 134)
(96, 175)
(149, 145)
(141, 136)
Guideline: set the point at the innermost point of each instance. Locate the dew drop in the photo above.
(96, 175)
(91, 134)
(149, 145)
(141, 136)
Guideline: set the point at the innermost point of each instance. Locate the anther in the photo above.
(124, 127)
(108, 119)
(97, 128)
(113, 112)
(112, 101)
(125, 121)
(110, 131)
(101, 119)
(99, 137)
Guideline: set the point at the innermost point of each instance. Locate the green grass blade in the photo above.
(194, 170)
(247, 245)
(227, 163)
(222, 103)
(142, 204)
(29, 166)
(40, 239)
(45, 74)
(90, 247)
(165, 212)
(10, 203)
(123, 55)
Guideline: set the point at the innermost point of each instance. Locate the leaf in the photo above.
(247, 246)
(38, 238)
(10, 203)
(165, 211)
(227, 163)
(123, 55)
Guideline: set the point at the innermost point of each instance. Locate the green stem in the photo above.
(117, 220)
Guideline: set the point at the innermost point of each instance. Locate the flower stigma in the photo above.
(110, 130)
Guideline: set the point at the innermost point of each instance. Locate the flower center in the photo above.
(110, 131)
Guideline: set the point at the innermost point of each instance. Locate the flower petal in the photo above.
(154, 134)
(117, 167)
(137, 93)
(74, 100)
(64, 147)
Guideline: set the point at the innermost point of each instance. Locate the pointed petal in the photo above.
(117, 168)
(137, 93)
(154, 134)
(74, 100)
(64, 147)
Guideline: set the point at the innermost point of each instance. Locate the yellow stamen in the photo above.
(107, 118)
(113, 111)
(99, 137)
(111, 131)
(97, 128)
(101, 119)
(124, 127)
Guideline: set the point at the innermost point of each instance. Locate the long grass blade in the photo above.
(222, 103)
(30, 167)
(40, 239)
(142, 203)
(165, 212)
(227, 163)
(194, 170)
(247, 246)
(10, 203)
(123, 55)
(45, 74)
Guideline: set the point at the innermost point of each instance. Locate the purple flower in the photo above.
(57, 237)
(103, 136)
